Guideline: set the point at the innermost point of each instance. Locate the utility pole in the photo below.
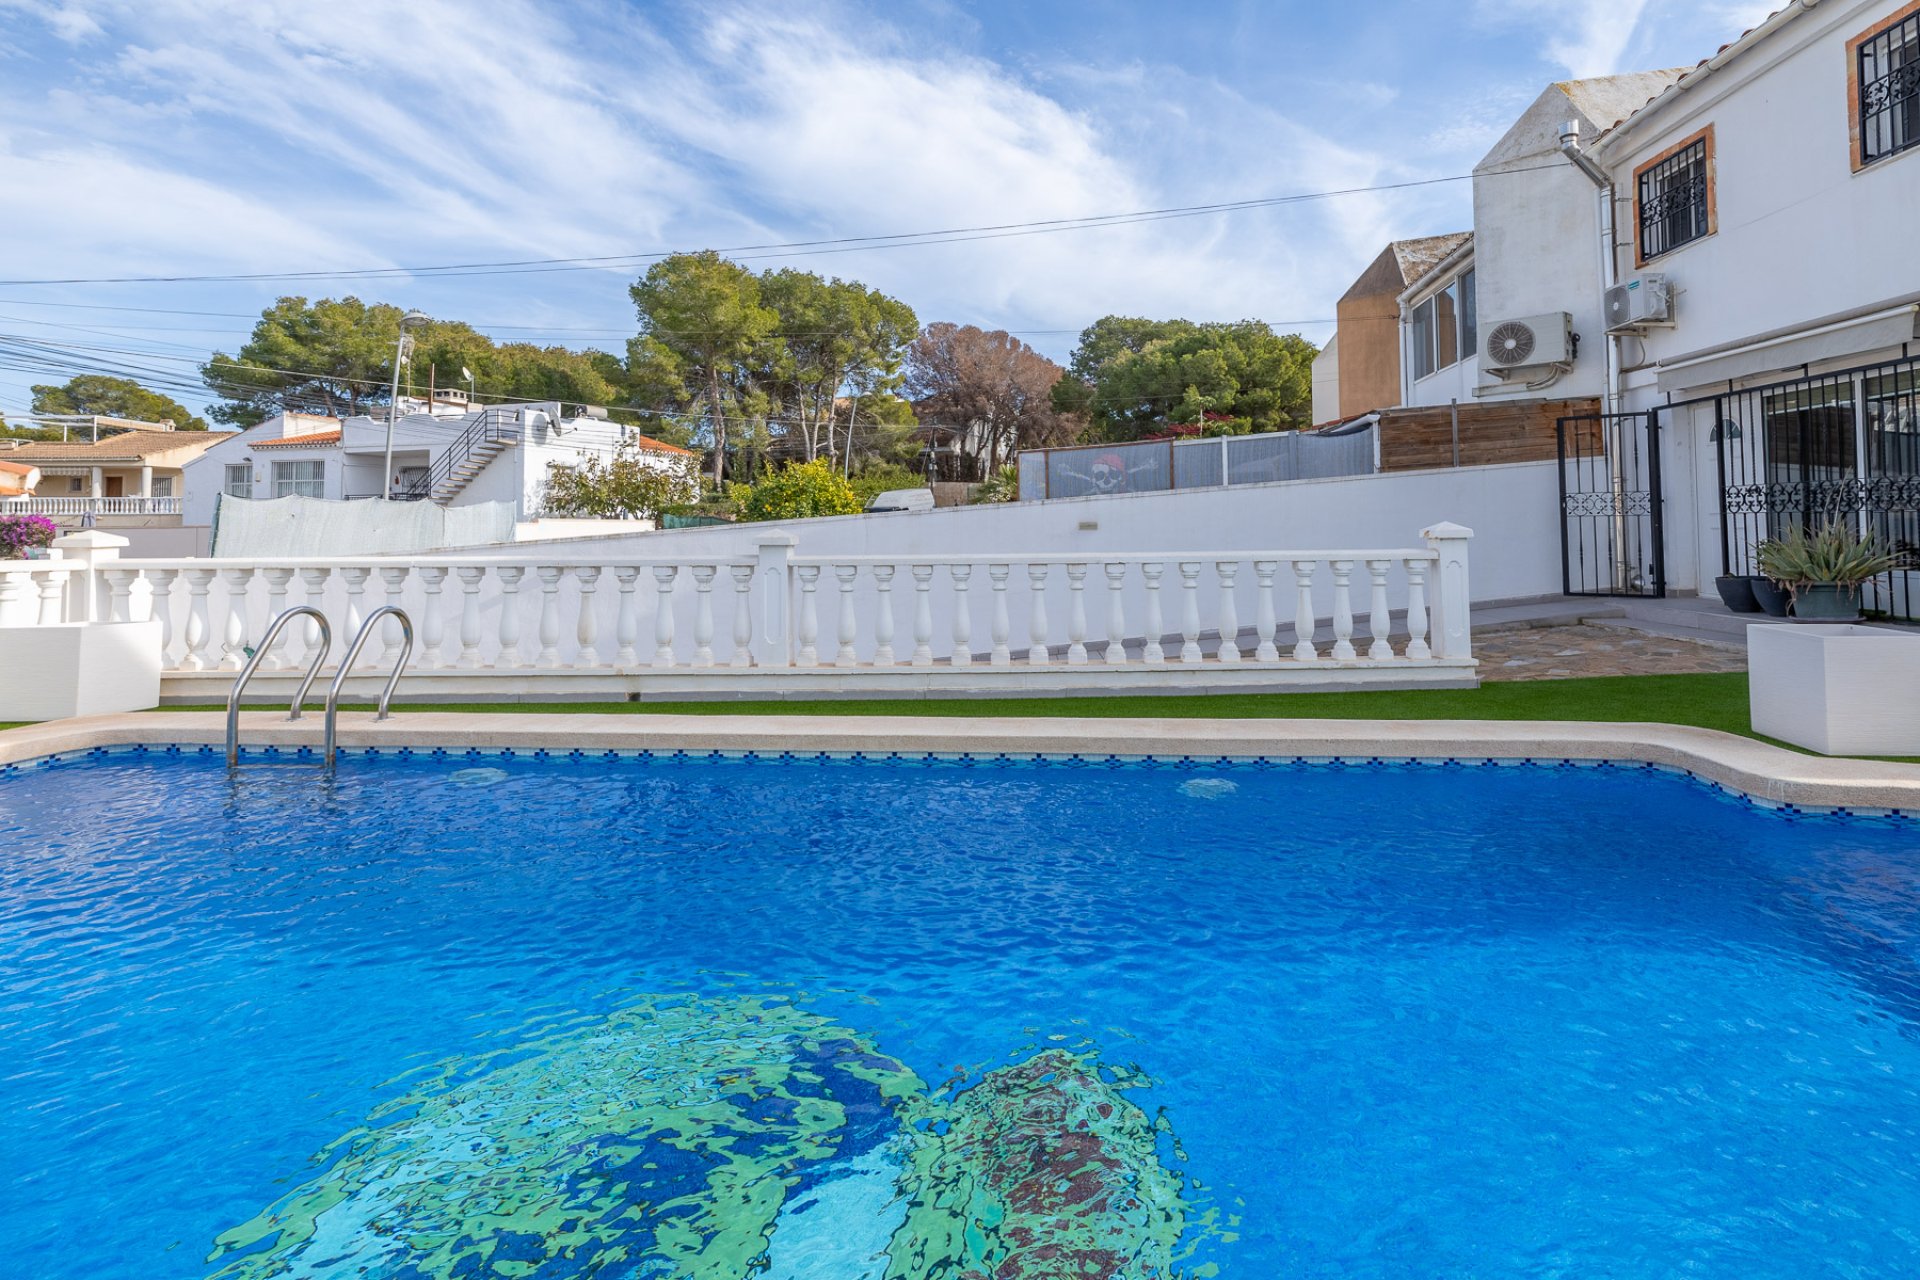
(393, 400)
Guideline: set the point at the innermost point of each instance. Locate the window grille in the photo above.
(1889, 75)
(1673, 201)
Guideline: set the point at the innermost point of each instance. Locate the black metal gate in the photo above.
(1611, 541)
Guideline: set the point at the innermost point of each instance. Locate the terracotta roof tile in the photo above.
(128, 444)
(312, 440)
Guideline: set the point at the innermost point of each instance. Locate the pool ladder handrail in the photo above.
(346, 667)
(253, 664)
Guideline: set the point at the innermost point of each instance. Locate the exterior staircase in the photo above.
(490, 434)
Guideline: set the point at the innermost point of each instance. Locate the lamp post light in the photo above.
(400, 346)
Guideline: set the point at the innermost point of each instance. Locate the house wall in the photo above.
(1326, 382)
(1370, 359)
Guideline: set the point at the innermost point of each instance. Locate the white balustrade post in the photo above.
(962, 616)
(587, 628)
(626, 624)
(848, 629)
(1265, 623)
(922, 615)
(233, 649)
(1305, 619)
(159, 607)
(120, 594)
(13, 591)
(198, 629)
(510, 576)
(1151, 572)
(471, 576)
(1077, 615)
(742, 615)
(1037, 616)
(883, 655)
(809, 628)
(773, 647)
(1001, 628)
(355, 577)
(391, 636)
(703, 575)
(1229, 572)
(1379, 617)
(549, 575)
(92, 549)
(1417, 609)
(52, 584)
(663, 576)
(1116, 654)
(1342, 610)
(433, 630)
(314, 581)
(277, 580)
(1190, 611)
(1452, 612)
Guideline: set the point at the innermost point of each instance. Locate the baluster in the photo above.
(120, 593)
(510, 576)
(587, 630)
(391, 635)
(883, 620)
(1265, 623)
(1151, 573)
(160, 607)
(356, 579)
(742, 615)
(1417, 610)
(549, 575)
(1077, 615)
(809, 654)
(315, 583)
(13, 590)
(233, 650)
(277, 580)
(1379, 620)
(1116, 653)
(848, 630)
(1342, 610)
(703, 575)
(1002, 629)
(471, 576)
(626, 626)
(1229, 572)
(1190, 611)
(962, 616)
(1304, 618)
(432, 622)
(923, 615)
(52, 584)
(1037, 616)
(663, 576)
(199, 630)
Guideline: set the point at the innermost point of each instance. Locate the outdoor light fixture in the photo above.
(400, 349)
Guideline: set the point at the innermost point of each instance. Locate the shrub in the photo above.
(19, 533)
(876, 480)
(798, 492)
(1002, 486)
(1834, 554)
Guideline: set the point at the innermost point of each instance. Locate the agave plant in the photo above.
(1832, 555)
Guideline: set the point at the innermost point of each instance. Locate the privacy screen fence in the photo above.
(1150, 466)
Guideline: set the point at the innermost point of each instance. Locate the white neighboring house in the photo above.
(448, 454)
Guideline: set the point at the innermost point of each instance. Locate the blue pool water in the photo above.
(635, 1018)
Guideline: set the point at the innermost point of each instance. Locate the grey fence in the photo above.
(1153, 465)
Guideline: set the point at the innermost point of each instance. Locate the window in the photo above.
(1674, 196)
(1445, 327)
(1469, 316)
(1885, 72)
(239, 480)
(304, 479)
(163, 486)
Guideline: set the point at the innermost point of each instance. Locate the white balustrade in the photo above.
(922, 615)
(848, 629)
(586, 629)
(808, 654)
(432, 621)
(1190, 611)
(883, 615)
(314, 579)
(962, 653)
(199, 625)
(1000, 656)
(1037, 614)
(1342, 610)
(391, 635)
(509, 576)
(1228, 571)
(1153, 652)
(703, 615)
(471, 578)
(1116, 652)
(1076, 615)
(743, 615)
(626, 627)
(549, 655)
(1265, 623)
(663, 576)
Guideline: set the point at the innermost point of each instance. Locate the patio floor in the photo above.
(1571, 652)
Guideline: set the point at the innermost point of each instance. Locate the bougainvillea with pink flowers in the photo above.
(19, 533)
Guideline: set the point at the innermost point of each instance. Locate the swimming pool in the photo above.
(492, 1014)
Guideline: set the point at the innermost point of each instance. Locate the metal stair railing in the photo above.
(253, 664)
(346, 669)
(493, 424)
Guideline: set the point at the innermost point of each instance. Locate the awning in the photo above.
(1846, 339)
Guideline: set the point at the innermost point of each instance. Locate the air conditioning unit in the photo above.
(1529, 341)
(1640, 302)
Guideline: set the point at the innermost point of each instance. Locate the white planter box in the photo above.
(1841, 690)
(78, 669)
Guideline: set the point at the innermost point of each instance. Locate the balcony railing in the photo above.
(90, 506)
(1026, 622)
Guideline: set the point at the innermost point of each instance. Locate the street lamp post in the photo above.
(400, 346)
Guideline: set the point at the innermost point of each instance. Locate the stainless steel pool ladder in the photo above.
(253, 664)
(346, 666)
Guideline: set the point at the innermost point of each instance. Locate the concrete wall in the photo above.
(1326, 382)
(1370, 357)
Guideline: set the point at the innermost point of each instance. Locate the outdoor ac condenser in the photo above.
(1638, 303)
(1529, 341)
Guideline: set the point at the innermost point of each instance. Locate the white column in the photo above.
(471, 576)
(99, 483)
(703, 575)
(199, 629)
(233, 649)
(1265, 623)
(587, 629)
(1417, 610)
(391, 635)
(510, 576)
(1001, 629)
(775, 576)
(277, 580)
(962, 616)
(883, 619)
(742, 615)
(1116, 654)
(1229, 572)
(146, 482)
(1304, 618)
(1077, 615)
(433, 629)
(847, 630)
(1190, 610)
(922, 615)
(1037, 614)
(356, 579)
(549, 575)
(1379, 617)
(809, 629)
(91, 549)
(1151, 573)
(1452, 612)
(314, 580)
(663, 576)
(159, 607)
(626, 625)
(1342, 610)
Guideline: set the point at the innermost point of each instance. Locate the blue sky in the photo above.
(194, 137)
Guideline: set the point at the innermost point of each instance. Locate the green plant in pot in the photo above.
(1824, 569)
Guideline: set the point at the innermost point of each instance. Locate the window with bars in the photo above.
(1888, 72)
(305, 479)
(1675, 200)
(239, 480)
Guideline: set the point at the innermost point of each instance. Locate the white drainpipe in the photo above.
(1609, 259)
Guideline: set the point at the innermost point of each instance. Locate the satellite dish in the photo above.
(466, 374)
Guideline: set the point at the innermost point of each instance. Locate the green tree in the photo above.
(838, 340)
(798, 492)
(1138, 378)
(633, 483)
(106, 397)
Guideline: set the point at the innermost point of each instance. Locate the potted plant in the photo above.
(1736, 592)
(1769, 595)
(1823, 570)
(26, 537)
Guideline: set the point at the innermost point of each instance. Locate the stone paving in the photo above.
(1564, 653)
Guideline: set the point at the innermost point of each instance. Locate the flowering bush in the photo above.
(18, 533)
